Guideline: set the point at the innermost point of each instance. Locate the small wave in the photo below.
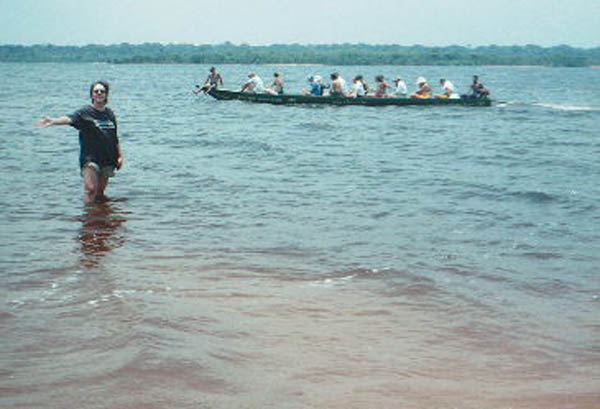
(536, 197)
(347, 275)
(330, 282)
(542, 255)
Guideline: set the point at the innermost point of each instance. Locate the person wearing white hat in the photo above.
(316, 86)
(424, 90)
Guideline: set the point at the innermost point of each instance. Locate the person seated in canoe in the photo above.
(448, 90)
(213, 80)
(424, 90)
(477, 90)
(382, 87)
(401, 90)
(337, 85)
(365, 86)
(276, 88)
(358, 88)
(254, 84)
(316, 86)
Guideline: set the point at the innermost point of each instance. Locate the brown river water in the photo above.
(258, 256)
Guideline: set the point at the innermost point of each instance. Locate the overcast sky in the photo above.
(260, 22)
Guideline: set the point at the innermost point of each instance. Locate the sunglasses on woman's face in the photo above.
(100, 91)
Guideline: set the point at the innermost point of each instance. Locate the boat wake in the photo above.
(569, 108)
(551, 106)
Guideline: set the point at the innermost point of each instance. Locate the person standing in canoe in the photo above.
(99, 149)
(213, 80)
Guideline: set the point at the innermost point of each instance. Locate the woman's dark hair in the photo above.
(103, 83)
(379, 78)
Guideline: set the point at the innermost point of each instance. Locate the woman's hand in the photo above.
(45, 122)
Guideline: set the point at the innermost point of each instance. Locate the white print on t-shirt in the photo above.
(104, 124)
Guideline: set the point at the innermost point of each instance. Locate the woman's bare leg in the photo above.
(91, 184)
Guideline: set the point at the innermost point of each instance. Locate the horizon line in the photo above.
(242, 44)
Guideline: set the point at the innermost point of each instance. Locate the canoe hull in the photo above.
(294, 99)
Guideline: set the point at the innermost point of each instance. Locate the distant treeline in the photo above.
(335, 54)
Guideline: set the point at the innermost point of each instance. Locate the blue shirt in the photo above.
(316, 89)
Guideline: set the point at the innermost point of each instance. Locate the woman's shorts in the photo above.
(105, 171)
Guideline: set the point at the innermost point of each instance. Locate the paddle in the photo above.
(204, 88)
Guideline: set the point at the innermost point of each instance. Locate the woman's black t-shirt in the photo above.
(98, 140)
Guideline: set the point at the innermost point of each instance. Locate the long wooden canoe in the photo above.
(295, 99)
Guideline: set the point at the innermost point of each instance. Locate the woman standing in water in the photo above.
(100, 152)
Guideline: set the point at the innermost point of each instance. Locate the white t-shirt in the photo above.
(401, 89)
(358, 89)
(449, 90)
(449, 87)
(256, 84)
(343, 84)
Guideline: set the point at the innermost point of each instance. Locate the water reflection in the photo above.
(99, 233)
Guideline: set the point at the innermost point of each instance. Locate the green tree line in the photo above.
(331, 54)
